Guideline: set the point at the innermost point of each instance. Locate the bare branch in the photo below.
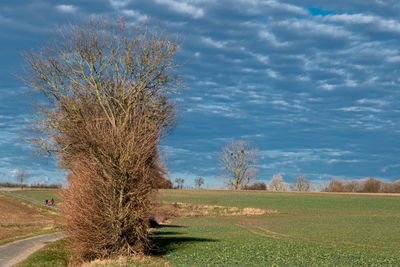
(238, 161)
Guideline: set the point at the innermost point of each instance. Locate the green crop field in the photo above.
(310, 229)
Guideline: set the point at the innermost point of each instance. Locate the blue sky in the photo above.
(313, 84)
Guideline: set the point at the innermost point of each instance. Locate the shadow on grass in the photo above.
(161, 233)
(164, 242)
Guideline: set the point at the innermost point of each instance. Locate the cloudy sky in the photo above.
(313, 84)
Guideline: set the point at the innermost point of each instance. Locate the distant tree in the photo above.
(21, 176)
(165, 184)
(321, 187)
(387, 187)
(353, 186)
(301, 183)
(180, 182)
(276, 183)
(396, 186)
(371, 185)
(199, 182)
(336, 185)
(238, 160)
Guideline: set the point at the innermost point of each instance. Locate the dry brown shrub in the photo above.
(111, 181)
(108, 87)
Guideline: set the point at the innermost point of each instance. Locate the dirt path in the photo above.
(28, 199)
(15, 252)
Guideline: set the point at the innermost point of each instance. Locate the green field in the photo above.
(39, 194)
(311, 229)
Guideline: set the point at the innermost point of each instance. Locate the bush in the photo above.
(108, 87)
(256, 186)
(368, 185)
(165, 184)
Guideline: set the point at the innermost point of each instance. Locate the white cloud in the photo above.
(211, 42)
(196, 98)
(183, 8)
(359, 109)
(270, 37)
(327, 86)
(384, 169)
(261, 6)
(174, 150)
(118, 3)
(134, 14)
(312, 27)
(378, 102)
(286, 7)
(272, 74)
(380, 23)
(393, 59)
(67, 8)
(344, 161)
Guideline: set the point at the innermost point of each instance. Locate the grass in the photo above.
(21, 219)
(309, 230)
(40, 194)
(51, 255)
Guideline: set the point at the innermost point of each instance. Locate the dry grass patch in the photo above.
(166, 211)
(21, 218)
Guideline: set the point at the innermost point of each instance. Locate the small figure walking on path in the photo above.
(52, 201)
(47, 202)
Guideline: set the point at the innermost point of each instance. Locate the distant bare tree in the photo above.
(387, 187)
(336, 185)
(371, 185)
(276, 183)
(353, 186)
(396, 186)
(20, 176)
(180, 182)
(199, 182)
(238, 161)
(301, 183)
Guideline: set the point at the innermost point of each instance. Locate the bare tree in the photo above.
(370, 185)
(199, 182)
(180, 182)
(336, 185)
(238, 161)
(20, 176)
(301, 183)
(396, 186)
(108, 87)
(277, 184)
